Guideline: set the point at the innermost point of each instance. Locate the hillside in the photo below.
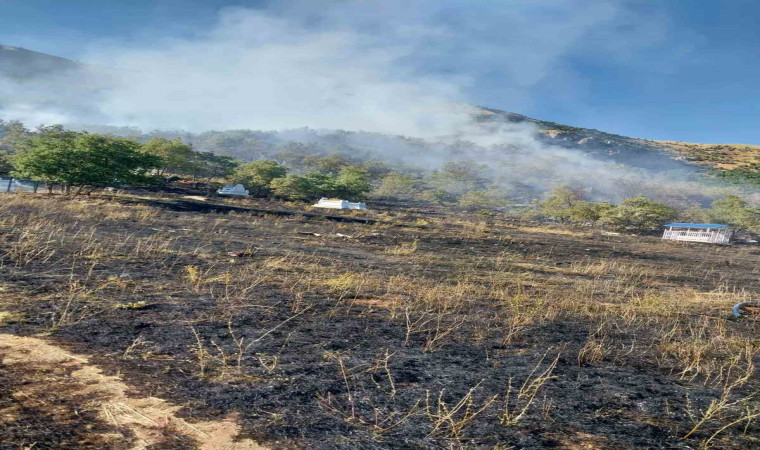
(719, 156)
(71, 84)
(20, 64)
(627, 149)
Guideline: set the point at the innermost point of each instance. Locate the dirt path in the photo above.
(141, 422)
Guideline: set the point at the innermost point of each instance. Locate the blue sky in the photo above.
(680, 70)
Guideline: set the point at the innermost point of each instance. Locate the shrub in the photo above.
(209, 165)
(480, 200)
(457, 178)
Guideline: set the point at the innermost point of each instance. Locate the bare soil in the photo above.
(44, 407)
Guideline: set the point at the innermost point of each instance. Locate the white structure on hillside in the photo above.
(713, 233)
(237, 190)
(336, 203)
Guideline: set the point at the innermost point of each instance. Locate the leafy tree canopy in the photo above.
(5, 164)
(209, 165)
(638, 214)
(351, 184)
(560, 203)
(176, 156)
(458, 177)
(734, 211)
(79, 159)
(398, 186)
(257, 176)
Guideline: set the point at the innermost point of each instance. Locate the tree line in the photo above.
(80, 162)
(639, 214)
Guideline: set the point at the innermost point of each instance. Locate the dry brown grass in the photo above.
(721, 156)
(440, 283)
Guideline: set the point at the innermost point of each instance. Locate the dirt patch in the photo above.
(137, 422)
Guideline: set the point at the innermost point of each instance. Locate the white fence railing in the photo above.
(719, 236)
(14, 184)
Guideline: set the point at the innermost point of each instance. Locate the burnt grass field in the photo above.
(400, 327)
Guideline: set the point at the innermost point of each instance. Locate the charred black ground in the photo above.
(396, 328)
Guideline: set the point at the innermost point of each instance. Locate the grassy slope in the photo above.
(718, 156)
(715, 156)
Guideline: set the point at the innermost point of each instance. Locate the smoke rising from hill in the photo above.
(380, 67)
(387, 67)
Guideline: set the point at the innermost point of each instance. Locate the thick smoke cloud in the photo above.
(389, 66)
(383, 67)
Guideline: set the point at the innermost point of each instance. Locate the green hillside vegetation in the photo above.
(718, 156)
(80, 162)
(641, 214)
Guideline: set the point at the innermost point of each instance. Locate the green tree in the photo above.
(560, 202)
(352, 183)
(735, 211)
(638, 214)
(210, 165)
(310, 186)
(257, 176)
(176, 156)
(11, 135)
(439, 196)
(398, 186)
(5, 164)
(82, 159)
(376, 169)
(589, 212)
(331, 165)
(694, 214)
(458, 177)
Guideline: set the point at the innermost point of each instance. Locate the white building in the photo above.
(713, 233)
(237, 190)
(336, 203)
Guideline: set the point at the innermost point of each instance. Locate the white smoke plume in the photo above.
(386, 66)
(393, 67)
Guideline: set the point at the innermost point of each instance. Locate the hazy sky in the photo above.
(681, 70)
